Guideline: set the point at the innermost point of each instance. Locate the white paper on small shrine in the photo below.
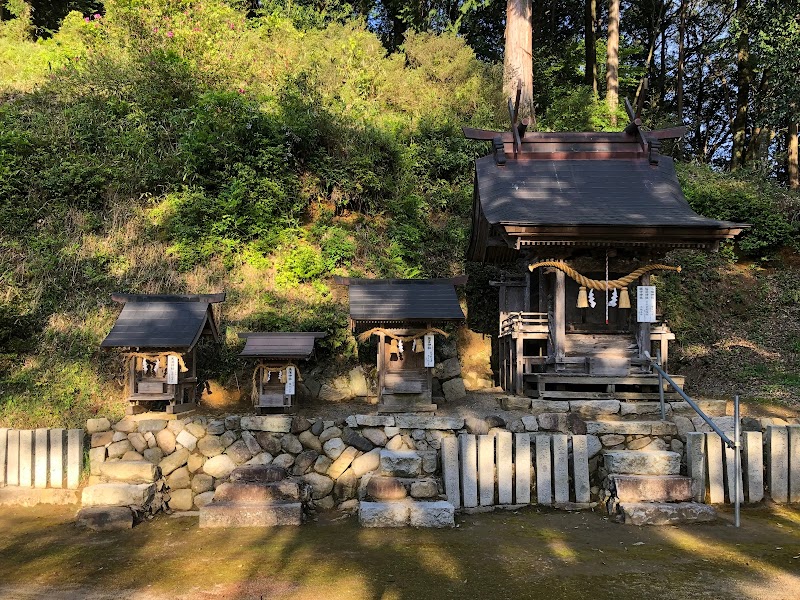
(646, 304)
(172, 369)
(291, 376)
(429, 358)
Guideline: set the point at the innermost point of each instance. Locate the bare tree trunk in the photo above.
(612, 60)
(793, 166)
(590, 24)
(681, 59)
(518, 67)
(739, 153)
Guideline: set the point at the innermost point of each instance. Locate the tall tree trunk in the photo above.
(681, 59)
(612, 60)
(793, 166)
(739, 153)
(518, 64)
(590, 23)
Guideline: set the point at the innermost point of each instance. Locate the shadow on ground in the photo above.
(524, 554)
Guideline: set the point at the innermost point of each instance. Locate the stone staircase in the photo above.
(642, 478)
(255, 496)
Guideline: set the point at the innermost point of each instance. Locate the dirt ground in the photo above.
(525, 554)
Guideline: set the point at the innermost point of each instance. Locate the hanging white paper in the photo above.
(291, 376)
(614, 297)
(429, 358)
(591, 300)
(172, 369)
(646, 304)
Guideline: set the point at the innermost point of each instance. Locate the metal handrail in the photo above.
(733, 444)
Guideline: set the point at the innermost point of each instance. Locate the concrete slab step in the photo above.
(118, 494)
(652, 488)
(275, 492)
(402, 513)
(657, 513)
(619, 427)
(642, 462)
(105, 518)
(250, 514)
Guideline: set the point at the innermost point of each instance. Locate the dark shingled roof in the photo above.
(404, 300)
(160, 324)
(586, 192)
(294, 344)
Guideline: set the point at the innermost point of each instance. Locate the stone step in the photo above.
(642, 462)
(657, 513)
(275, 492)
(607, 426)
(258, 474)
(118, 494)
(652, 488)
(402, 513)
(400, 463)
(250, 514)
(105, 518)
(129, 471)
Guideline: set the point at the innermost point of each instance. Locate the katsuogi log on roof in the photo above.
(161, 321)
(403, 300)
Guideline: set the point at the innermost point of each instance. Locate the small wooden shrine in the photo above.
(588, 214)
(405, 315)
(276, 375)
(160, 334)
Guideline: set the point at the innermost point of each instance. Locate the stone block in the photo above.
(594, 408)
(384, 514)
(283, 460)
(153, 455)
(620, 427)
(174, 461)
(367, 462)
(777, 452)
(74, 457)
(639, 443)
(696, 464)
(272, 423)
(304, 461)
(105, 518)
(187, 440)
(138, 442)
(505, 469)
(375, 435)
(549, 406)
(375, 420)
(197, 429)
(515, 403)
(151, 425)
(454, 390)
(544, 470)
(724, 423)
(329, 433)
(97, 425)
(531, 423)
(793, 436)
(126, 426)
(346, 486)
(290, 444)
(130, 471)
(580, 468)
(450, 470)
(522, 468)
(553, 422)
(239, 453)
(277, 491)
(202, 483)
(644, 408)
(560, 469)
(228, 514)
(351, 438)
(321, 485)
(333, 448)
(753, 465)
(56, 457)
(715, 469)
(195, 462)
(204, 499)
(400, 463)
(310, 441)
(216, 427)
(447, 369)
(322, 464)
(219, 466)
(431, 514)
(469, 469)
(118, 494)
(210, 445)
(234, 422)
(331, 393)
(653, 513)
(117, 449)
(181, 500)
(258, 474)
(103, 438)
(179, 479)
(684, 425)
(411, 421)
(635, 462)
(341, 464)
(425, 488)
(96, 458)
(166, 441)
(386, 488)
(653, 488)
(358, 383)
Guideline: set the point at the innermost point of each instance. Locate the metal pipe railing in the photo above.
(733, 444)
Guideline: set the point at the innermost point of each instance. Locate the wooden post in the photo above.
(519, 379)
(559, 326)
(644, 328)
(526, 301)
(381, 367)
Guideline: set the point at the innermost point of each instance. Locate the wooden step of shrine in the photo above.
(562, 386)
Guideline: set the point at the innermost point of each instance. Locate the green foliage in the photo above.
(745, 198)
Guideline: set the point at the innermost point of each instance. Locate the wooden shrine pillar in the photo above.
(381, 365)
(559, 326)
(643, 337)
